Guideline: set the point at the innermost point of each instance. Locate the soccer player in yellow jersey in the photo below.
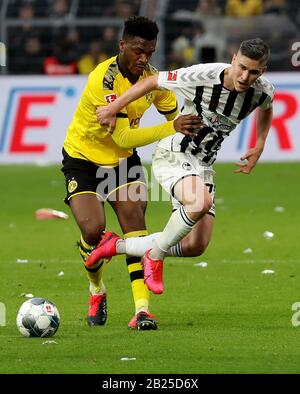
(100, 166)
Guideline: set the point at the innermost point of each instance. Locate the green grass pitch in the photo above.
(225, 318)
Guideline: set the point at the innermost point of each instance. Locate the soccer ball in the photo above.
(38, 317)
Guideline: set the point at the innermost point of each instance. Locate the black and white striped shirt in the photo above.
(221, 109)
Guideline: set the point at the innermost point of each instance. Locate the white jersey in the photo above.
(222, 110)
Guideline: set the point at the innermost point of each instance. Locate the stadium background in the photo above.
(233, 318)
(67, 38)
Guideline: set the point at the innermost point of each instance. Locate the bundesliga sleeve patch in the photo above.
(109, 98)
(172, 76)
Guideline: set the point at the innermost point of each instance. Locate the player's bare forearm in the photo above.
(263, 124)
(136, 91)
(251, 157)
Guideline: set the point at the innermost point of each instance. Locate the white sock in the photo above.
(137, 246)
(121, 246)
(178, 226)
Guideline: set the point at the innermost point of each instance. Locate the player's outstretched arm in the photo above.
(106, 115)
(128, 138)
(250, 158)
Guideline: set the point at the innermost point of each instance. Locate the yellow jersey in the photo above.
(87, 139)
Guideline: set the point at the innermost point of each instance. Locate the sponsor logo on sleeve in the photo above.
(172, 76)
(109, 98)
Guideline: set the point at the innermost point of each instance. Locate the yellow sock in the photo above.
(140, 291)
(95, 279)
(94, 273)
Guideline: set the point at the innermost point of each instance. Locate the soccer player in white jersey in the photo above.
(222, 95)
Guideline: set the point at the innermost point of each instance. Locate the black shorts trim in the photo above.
(83, 176)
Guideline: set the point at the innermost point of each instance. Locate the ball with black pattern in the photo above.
(38, 317)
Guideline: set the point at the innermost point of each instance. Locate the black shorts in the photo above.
(83, 176)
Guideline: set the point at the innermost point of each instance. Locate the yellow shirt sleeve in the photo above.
(166, 103)
(172, 115)
(95, 89)
(128, 138)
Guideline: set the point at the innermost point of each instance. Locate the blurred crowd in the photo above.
(211, 30)
(60, 47)
(60, 37)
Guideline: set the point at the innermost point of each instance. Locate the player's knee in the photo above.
(92, 238)
(207, 204)
(91, 232)
(201, 206)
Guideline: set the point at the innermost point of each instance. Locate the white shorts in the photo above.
(169, 167)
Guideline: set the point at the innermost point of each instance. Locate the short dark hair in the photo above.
(255, 49)
(140, 26)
